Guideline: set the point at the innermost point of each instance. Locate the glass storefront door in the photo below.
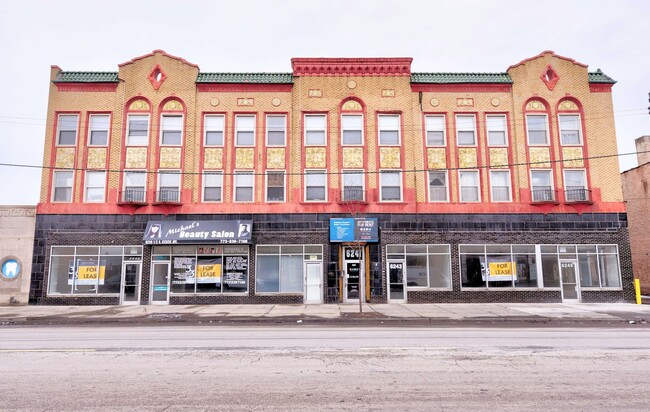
(313, 282)
(396, 281)
(353, 274)
(160, 283)
(570, 285)
(130, 293)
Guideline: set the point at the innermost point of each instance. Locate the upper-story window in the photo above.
(500, 185)
(390, 185)
(245, 130)
(212, 186)
(169, 186)
(469, 186)
(244, 186)
(542, 186)
(275, 186)
(315, 130)
(138, 130)
(98, 130)
(276, 130)
(315, 186)
(95, 186)
(435, 130)
(466, 129)
(438, 186)
(389, 129)
(570, 133)
(537, 127)
(135, 186)
(352, 185)
(351, 129)
(214, 126)
(172, 130)
(62, 187)
(575, 185)
(67, 130)
(496, 130)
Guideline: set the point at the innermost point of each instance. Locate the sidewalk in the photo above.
(444, 314)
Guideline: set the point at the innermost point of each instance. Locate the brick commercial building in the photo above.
(345, 179)
(636, 190)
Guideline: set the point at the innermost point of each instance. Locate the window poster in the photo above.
(183, 270)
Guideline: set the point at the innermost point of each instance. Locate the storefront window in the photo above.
(280, 268)
(427, 266)
(88, 270)
(209, 269)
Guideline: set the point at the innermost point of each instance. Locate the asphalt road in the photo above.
(174, 368)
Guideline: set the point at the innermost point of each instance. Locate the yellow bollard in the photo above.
(637, 289)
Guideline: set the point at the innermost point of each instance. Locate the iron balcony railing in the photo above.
(577, 195)
(350, 195)
(133, 196)
(168, 196)
(544, 196)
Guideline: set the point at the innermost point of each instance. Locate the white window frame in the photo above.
(59, 129)
(478, 186)
(87, 187)
(239, 129)
(125, 181)
(284, 129)
(385, 172)
(205, 181)
(344, 129)
(348, 172)
(322, 172)
(55, 187)
(551, 180)
(545, 116)
(164, 128)
(579, 130)
(307, 129)
(179, 182)
(128, 129)
(584, 187)
(507, 171)
(236, 185)
(427, 129)
(284, 186)
(505, 129)
(207, 129)
(465, 130)
(381, 128)
(92, 129)
(446, 174)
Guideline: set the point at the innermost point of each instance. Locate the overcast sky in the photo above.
(251, 35)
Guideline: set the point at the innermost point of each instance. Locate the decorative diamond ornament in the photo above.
(550, 77)
(157, 77)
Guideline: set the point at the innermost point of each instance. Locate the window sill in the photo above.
(84, 295)
(426, 289)
(279, 294)
(594, 289)
(209, 294)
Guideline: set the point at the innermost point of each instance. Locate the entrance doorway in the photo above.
(130, 291)
(160, 283)
(353, 269)
(313, 282)
(570, 281)
(397, 281)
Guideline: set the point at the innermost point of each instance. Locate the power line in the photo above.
(351, 171)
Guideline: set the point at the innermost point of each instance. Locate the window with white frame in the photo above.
(496, 130)
(315, 130)
(427, 266)
(212, 186)
(95, 186)
(352, 186)
(244, 185)
(169, 186)
(435, 130)
(570, 129)
(67, 129)
(214, 125)
(542, 186)
(275, 181)
(280, 268)
(500, 185)
(172, 130)
(438, 186)
(390, 185)
(135, 184)
(389, 129)
(315, 186)
(245, 130)
(98, 130)
(466, 129)
(138, 130)
(351, 129)
(276, 129)
(469, 186)
(575, 184)
(537, 129)
(62, 188)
